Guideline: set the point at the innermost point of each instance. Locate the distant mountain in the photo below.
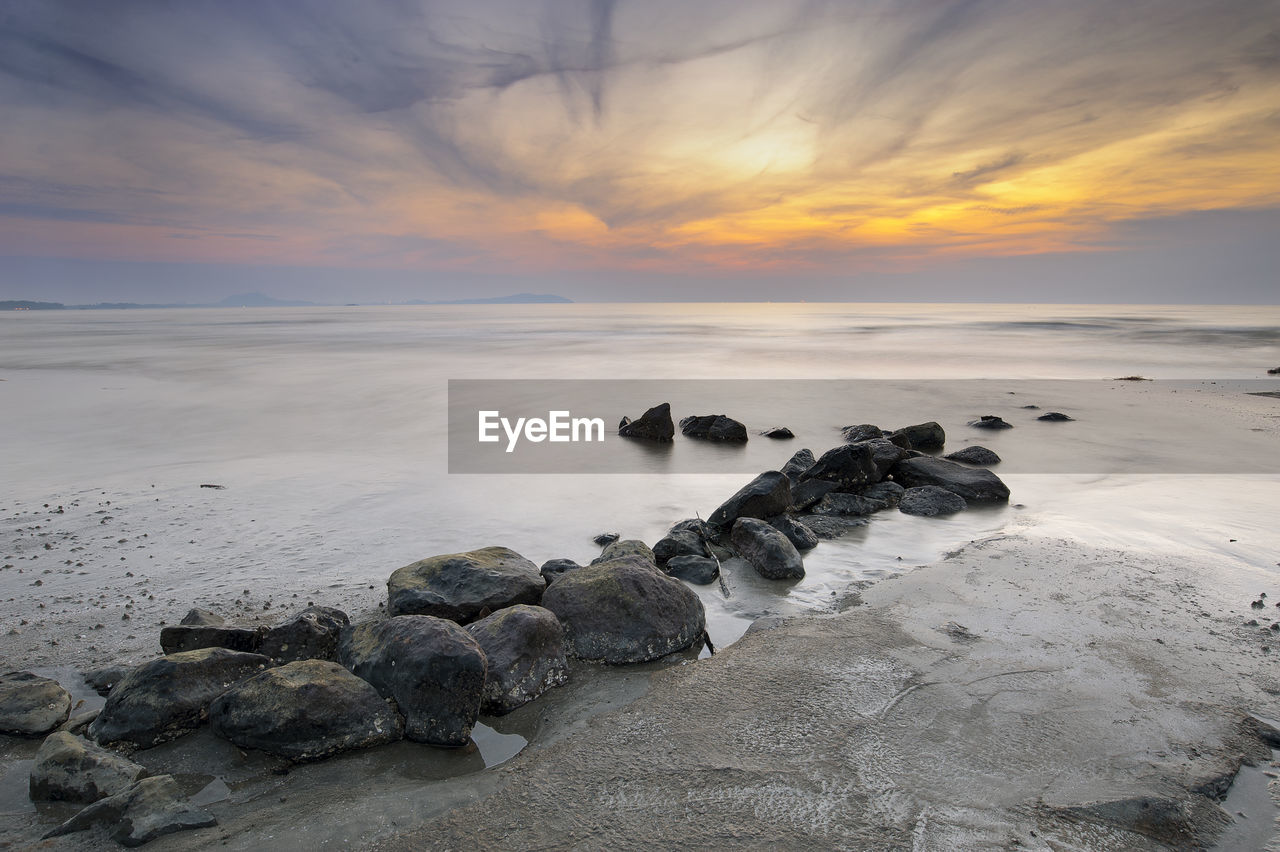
(517, 299)
(257, 300)
(23, 305)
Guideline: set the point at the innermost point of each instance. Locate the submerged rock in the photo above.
(179, 637)
(310, 635)
(766, 549)
(699, 570)
(654, 425)
(70, 769)
(990, 421)
(974, 455)
(168, 697)
(974, 484)
(623, 611)
(930, 500)
(304, 710)
(30, 705)
(150, 808)
(767, 495)
(713, 427)
(525, 649)
(554, 568)
(433, 669)
(926, 437)
(778, 433)
(627, 547)
(462, 586)
(832, 526)
(797, 533)
(848, 466)
(1055, 417)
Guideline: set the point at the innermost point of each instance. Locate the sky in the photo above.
(633, 150)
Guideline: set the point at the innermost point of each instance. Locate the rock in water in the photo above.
(848, 466)
(31, 706)
(779, 433)
(797, 533)
(974, 455)
(310, 635)
(861, 432)
(433, 669)
(168, 697)
(623, 611)
(990, 421)
(654, 425)
(699, 570)
(798, 464)
(687, 538)
(69, 769)
(554, 568)
(460, 586)
(927, 437)
(974, 484)
(887, 492)
(180, 637)
(930, 500)
(150, 808)
(604, 539)
(1275, 372)
(627, 547)
(1055, 417)
(713, 427)
(767, 495)
(525, 649)
(767, 550)
(304, 710)
(853, 505)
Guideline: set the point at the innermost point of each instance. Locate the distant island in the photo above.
(22, 305)
(517, 299)
(258, 300)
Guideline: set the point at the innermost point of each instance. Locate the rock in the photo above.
(861, 432)
(797, 533)
(310, 635)
(178, 637)
(606, 538)
(848, 466)
(433, 669)
(622, 611)
(460, 586)
(654, 425)
(832, 526)
(930, 500)
(990, 421)
(699, 570)
(78, 723)
(767, 495)
(104, 679)
(30, 705)
(197, 617)
(553, 568)
(766, 549)
(885, 454)
(974, 455)
(70, 769)
(1191, 822)
(798, 464)
(974, 484)
(626, 547)
(686, 538)
(167, 697)
(304, 710)
(713, 427)
(887, 492)
(525, 649)
(1055, 417)
(1275, 372)
(926, 437)
(150, 808)
(809, 492)
(778, 433)
(840, 503)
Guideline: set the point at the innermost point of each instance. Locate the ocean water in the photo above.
(328, 429)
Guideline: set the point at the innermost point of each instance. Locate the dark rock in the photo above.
(623, 611)
(1055, 417)
(766, 549)
(974, 484)
(974, 455)
(69, 769)
(699, 570)
(553, 568)
(304, 710)
(767, 495)
(169, 696)
(197, 617)
(797, 533)
(930, 500)
(654, 425)
(713, 427)
(31, 706)
(462, 586)
(686, 538)
(627, 547)
(990, 421)
(888, 493)
(1031, 407)
(798, 464)
(310, 635)
(150, 808)
(778, 433)
(102, 680)
(809, 492)
(178, 637)
(926, 437)
(78, 723)
(861, 432)
(1275, 372)
(839, 503)
(848, 466)
(885, 454)
(604, 539)
(832, 526)
(525, 649)
(433, 669)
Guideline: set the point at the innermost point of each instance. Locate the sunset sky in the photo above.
(1021, 150)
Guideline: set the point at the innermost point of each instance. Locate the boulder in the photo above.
(929, 501)
(766, 549)
(699, 570)
(433, 669)
(464, 586)
(310, 635)
(990, 421)
(767, 495)
(30, 705)
(778, 433)
(797, 533)
(975, 455)
(623, 611)
(197, 617)
(809, 492)
(926, 437)
(525, 649)
(191, 637)
(167, 697)
(861, 432)
(855, 505)
(104, 679)
(553, 568)
(627, 547)
(885, 454)
(150, 808)
(798, 464)
(887, 492)
(70, 769)
(604, 539)
(713, 427)
(1274, 372)
(848, 466)
(974, 484)
(1055, 417)
(654, 425)
(304, 710)
(686, 538)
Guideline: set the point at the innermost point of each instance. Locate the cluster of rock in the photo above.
(656, 425)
